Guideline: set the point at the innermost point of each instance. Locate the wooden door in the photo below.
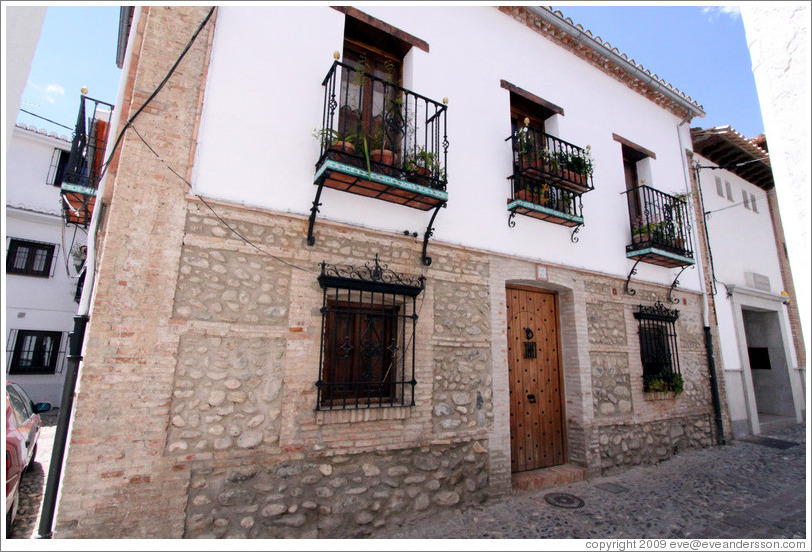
(537, 438)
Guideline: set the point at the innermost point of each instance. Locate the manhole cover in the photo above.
(563, 500)
(770, 442)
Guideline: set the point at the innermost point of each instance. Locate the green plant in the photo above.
(423, 162)
(328, 136)
(663, 383)
(579, 162)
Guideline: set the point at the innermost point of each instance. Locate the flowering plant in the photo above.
(79, 252)
(423, 162)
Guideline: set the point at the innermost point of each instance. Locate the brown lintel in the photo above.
(530, 96)
(634, 146)
(381, 26)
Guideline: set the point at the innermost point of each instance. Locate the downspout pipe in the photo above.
(714, 383)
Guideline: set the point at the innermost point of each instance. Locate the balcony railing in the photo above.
(381, 140)
(660, 228)
(545, 201)
(541, 155)
(86, 161)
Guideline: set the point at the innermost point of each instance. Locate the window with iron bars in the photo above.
(30, 258)
(658, 348)
(367, 339)
(35, 352)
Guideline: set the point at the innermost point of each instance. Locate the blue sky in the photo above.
(701, 51)
(77, 47)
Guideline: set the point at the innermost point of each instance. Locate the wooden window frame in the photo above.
(15, 244)
(15, 364)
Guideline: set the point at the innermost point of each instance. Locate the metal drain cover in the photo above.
(770, 442)
(564, 500)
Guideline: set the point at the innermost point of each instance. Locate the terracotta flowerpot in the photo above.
(384, 156)
(343, 146)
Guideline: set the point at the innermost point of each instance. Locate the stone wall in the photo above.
(334, 497)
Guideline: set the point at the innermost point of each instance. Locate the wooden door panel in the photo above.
(536, 426)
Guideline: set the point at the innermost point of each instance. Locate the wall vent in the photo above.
(757, 281)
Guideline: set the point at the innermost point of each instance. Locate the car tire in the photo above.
(31, 461)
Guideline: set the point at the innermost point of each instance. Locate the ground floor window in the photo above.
(35, 352)
(367, 338)
(658, 348)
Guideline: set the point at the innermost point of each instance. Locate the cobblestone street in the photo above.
(750, 488)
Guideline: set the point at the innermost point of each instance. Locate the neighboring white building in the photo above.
(760, 343)
(41, 279)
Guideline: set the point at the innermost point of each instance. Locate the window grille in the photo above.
(367, 337)
(35, 352)
(658, 347)
(29, 258)
(56, 172)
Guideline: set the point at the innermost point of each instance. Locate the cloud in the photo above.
(734, 12)
(48, 93)
(55, 89)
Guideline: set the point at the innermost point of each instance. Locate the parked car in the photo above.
(23, 426)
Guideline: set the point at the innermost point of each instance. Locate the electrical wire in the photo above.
(226, 224)
(45, 119)
(155, 92)
(732, 205)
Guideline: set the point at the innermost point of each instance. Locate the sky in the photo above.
(701, 51)
(77, 47)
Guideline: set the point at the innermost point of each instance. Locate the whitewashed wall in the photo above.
(33, 213)
(264, 98)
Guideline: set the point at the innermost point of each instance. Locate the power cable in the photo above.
(45, 119)
(226, 224)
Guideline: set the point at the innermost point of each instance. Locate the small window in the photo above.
(30, 258)
(35, 352)
(368, 330)
(746, 200)
(759, 358)
(729, 191)
(56, 173)
(658, 348)
(719, 190)
(753, 203)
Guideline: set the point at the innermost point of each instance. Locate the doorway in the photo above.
(537, 436)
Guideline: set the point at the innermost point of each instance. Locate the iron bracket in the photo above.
(674, 284)
(573, 237)
(629, 277)
(429, 232)
(311, 239)
(511, 222)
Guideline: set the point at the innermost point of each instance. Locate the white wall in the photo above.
(264, 97)
(778, 37)
(33, 213)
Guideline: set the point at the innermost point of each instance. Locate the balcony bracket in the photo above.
(675, 283)
(311, 239)
(629, 277)
(573, 237)
(429, 232)
(511, 222)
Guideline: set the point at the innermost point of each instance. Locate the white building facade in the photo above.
(761, 347)
(499, 282)
(41, 276)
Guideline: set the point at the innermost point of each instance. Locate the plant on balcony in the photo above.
(79, 254)
(329, 138)
(539, 195)
(421, 164)
(579, 164)
(643, 232)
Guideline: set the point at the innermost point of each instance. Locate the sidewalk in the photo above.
(750, 488)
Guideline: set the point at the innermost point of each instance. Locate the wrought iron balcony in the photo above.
(660, 228)
(85, 164)
(380, 140)
(545, 201)
(552, 160)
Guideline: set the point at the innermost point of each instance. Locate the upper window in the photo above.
(35, 352)
(753, 203)
(59, 161)
(729, 191)
(719, 189)
(658, 348)
(368, 347)
(746, 200)
(29, 258)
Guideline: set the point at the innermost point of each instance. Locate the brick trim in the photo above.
(382, 26)
(629, 143)
(530, 96)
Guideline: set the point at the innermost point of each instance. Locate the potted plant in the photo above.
(422, 164)
(332, 139)
(79, 254)
(664, 383)
(536, 194)
(577, 165)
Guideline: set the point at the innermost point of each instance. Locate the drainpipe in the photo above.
(714, 383)
(76, 337)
